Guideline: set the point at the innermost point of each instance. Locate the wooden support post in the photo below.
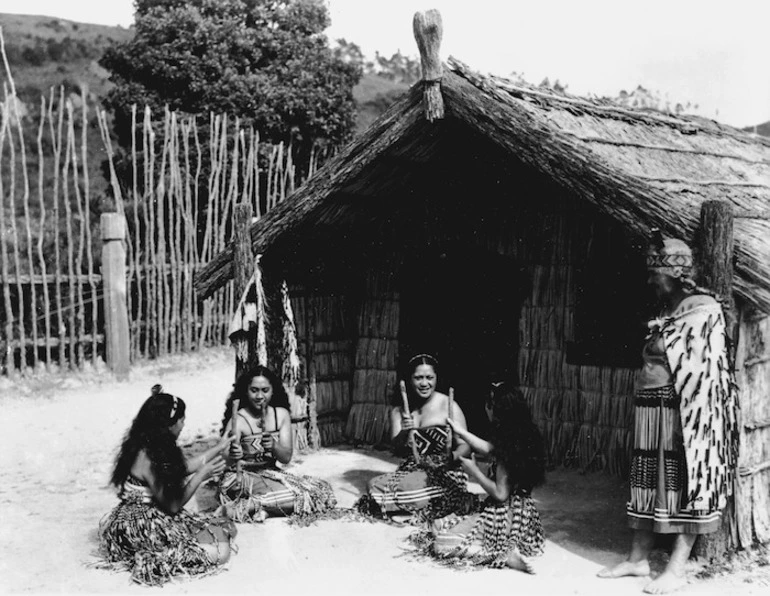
(313, 435)
(114, 279)
(714, 267)
(427, 32)
(243, 269)
(715, 256)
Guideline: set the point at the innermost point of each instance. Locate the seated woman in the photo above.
(508, 531)
(254, 486)
(149, 532)
(428, 480)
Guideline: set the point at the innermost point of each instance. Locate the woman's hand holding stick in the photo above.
(407, 414)
(449, 426)
(237, 437)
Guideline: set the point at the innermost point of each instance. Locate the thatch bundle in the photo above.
(333, 358)
(379, 318)
(376, 353)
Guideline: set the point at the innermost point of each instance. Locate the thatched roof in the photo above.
(643, 168)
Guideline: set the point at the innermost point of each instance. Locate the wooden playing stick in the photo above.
(449, 415)
(234, 428)
(410, 436)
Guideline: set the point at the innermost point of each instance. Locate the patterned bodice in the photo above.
(431, 440)
(254, 454)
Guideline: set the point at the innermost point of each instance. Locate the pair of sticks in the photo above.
(410, 437)
(234, 429)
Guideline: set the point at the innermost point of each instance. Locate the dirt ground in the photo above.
(59, 435)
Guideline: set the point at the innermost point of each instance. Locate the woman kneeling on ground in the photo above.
(508, 531)
(149, 532)
(255, 487)
(428, 482)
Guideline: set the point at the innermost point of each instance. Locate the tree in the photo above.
(265, 61)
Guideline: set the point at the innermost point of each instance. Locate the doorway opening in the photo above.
(462, 305)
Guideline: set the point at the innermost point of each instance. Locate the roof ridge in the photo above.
(685, 124)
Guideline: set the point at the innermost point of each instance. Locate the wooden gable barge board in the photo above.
(395, 123)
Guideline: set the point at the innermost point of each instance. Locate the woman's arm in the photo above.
(195, 463)
(461, 447)
(143, 470)
(477, 444)
(497, 489)
(400, 426)
(282, 448)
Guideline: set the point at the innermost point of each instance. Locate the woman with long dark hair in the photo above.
(149, 532)
(255, 486)
(508, 531)
(428, 482)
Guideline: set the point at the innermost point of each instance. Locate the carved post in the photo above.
(714, 252)
(427, 32)
(243, 269)
(114, 280)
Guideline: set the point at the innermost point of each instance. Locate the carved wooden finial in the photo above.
(427, 32)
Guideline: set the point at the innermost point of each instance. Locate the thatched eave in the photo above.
(643, 168)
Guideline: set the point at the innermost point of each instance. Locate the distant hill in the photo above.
(47, 52)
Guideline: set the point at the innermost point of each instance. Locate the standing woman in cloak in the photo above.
(685, 420)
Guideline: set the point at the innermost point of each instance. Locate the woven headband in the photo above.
(427, 356)
(655, 261)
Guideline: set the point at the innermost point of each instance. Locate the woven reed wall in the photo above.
(584, 412)
(376, 353)
(332, 349)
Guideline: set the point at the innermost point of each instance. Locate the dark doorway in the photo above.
(463, 305)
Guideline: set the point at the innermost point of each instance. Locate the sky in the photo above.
(715, 54)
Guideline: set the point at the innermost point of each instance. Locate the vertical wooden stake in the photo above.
(114, 281)
(715, 272)
(314, 436)
(243, 269)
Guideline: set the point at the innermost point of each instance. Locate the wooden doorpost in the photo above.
(114, 281)
(243, 269)
(714, 267)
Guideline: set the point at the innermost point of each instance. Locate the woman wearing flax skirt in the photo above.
(150, 533)
(685, 418)
(507, 532)
(429, 481)
(257, 413)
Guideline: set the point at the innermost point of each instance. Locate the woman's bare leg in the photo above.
(673, 577)
(637, 563)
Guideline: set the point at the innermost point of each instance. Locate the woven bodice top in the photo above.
(432, 440)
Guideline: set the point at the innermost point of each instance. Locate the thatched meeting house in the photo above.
(506, 233)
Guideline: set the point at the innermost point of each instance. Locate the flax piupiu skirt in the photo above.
(658, 479)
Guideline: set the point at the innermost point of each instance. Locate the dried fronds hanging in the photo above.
(290, 353)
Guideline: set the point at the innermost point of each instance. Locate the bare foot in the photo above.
(626, 568)
(666, 582)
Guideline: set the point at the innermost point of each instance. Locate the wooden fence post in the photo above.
(243, 269)
(114, 280)
(714, 267)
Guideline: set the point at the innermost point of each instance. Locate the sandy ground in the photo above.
(59, 435)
